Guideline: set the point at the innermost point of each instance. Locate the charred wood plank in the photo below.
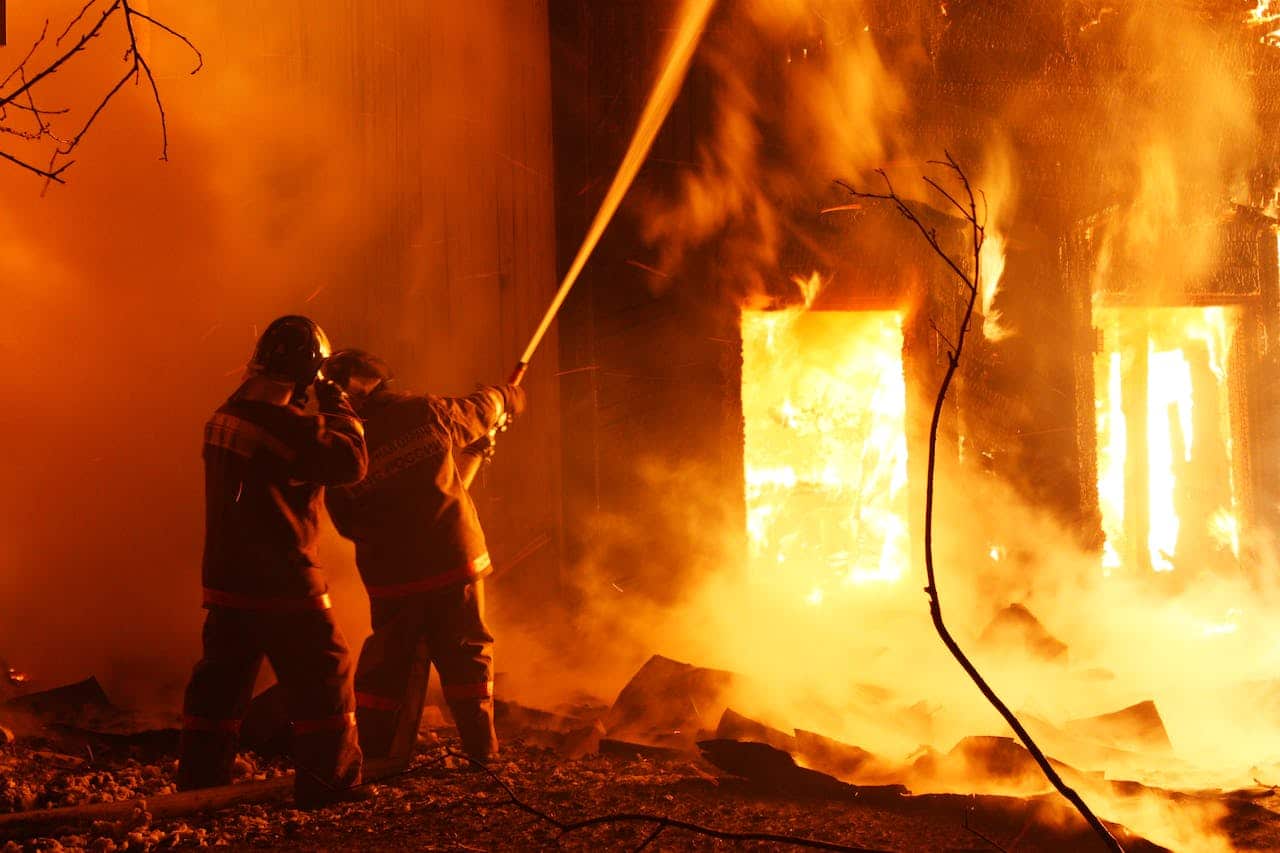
(44, 821)
(775, 770)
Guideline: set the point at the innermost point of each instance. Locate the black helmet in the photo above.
(346, 363)
(292, 349)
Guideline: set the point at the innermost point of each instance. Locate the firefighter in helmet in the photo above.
(421, 554)
(266, 465)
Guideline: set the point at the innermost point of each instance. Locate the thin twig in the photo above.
(650, 838)
(71, 25)
(937, 330)
(140, 61)
(662, 822)
(50, 173)
(61, 60)
(175, 34)
(977, 230)
(30, 53)
(969, 813)
(102, 105)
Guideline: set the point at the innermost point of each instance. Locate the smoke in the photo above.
(864, 665)
(1184, 115)
(134, 294)
(777, 142)
(809, 91)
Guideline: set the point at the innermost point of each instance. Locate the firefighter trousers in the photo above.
(313, 665)
(442, 628)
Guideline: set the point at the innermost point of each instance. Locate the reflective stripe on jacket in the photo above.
(265, 471)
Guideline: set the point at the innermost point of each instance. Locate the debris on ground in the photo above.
(764, 780)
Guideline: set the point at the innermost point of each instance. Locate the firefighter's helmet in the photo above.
(292, 349)
(347, 363)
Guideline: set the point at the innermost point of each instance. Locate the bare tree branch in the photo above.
(53, 67)
(977, 234)
(177, 35)
(50, 173)
(34, 47)
(137, 67)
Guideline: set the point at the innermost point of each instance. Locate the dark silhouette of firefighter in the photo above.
(422, 555)
(266, 465)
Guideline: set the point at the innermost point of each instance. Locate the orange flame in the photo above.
(1166, 367)
(992, 261)
(1265, 13)
(824, 405)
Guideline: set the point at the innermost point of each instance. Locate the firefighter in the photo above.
(266, 465)
(421, 554)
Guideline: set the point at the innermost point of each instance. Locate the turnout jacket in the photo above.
(265, 471)
(412, 520)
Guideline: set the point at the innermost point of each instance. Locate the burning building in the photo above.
(756, 337)
(1126, 332)
(726, 456)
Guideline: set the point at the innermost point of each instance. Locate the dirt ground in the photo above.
(559, 783)
(442, 803)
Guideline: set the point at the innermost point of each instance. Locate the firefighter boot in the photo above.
(474, 718)
(205, 759)
(328, 760)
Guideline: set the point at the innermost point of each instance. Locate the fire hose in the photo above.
(692, 21)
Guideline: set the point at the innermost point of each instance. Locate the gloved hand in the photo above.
(330, 396)
(514, 400)
(484, 446)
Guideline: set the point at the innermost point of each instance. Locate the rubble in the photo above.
(1002, 765)
(1137, 727)
(844, 761)
(626, 749)
(776, 770)
(1016, 627)
(734, 726)
(763, 778)
(667, 702)
(71, 701)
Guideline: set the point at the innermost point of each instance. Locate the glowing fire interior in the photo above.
(1166, 486)
(824, 405)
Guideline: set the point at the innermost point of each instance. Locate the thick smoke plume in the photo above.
(134, 294)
